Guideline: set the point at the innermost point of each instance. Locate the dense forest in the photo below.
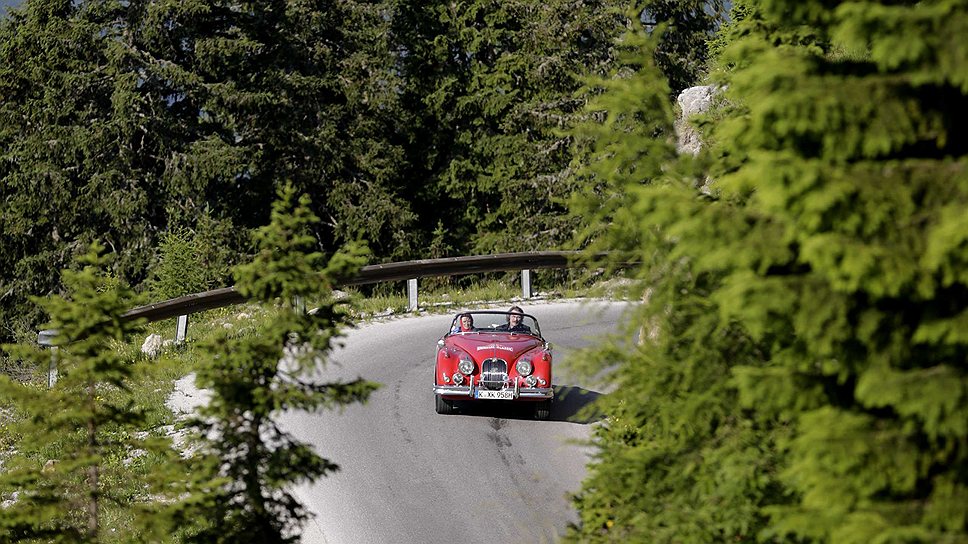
(801, 371)
(423, 130)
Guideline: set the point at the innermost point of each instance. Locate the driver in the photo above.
(515, 315)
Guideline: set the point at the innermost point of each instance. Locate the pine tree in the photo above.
(247, 463)
(126, 120)
(67, 434)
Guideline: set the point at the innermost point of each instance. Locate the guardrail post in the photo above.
(181, 329)
(412, 295)
(46, 339)
(526, 283)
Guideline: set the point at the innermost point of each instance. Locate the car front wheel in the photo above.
(443, 405)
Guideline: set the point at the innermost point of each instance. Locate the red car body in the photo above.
(494, 361)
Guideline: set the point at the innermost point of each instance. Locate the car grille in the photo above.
(494, 373)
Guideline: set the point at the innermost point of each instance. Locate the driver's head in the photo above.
(515, 315)
(466, 321)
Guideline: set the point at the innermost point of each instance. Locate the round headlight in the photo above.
(465, 366)
(524, 367)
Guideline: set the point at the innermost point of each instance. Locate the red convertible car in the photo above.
(493, 356)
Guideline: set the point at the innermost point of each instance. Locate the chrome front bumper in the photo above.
(519, 393)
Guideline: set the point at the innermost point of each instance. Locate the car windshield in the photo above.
(482, 322)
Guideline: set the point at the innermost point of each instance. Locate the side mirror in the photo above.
(440, 343)
(547, 346)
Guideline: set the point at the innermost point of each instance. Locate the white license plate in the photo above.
(495, 395)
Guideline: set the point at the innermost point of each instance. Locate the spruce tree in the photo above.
(495, 85)
(806, 378)
(247, 464)
(685, 27)
(125, 120)
(854, 190)
(282, 89)
(66, 435)
(63, 181)
(675, 459)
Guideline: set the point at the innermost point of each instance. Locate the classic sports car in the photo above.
(493, 356)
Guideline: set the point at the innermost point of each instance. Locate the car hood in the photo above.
(486, 345)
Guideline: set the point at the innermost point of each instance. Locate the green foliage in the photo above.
(64, 183)
(631, 105)
(493, 86)
(289, 263)
(122, 120)
(179, 272)
(247, 465)
(866, 175)
(685, 28)
(806, 378)
(65, 436)
(676, 461)
(194, 260)
(290, 90)
(413, 127)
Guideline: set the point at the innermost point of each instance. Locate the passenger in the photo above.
(464, 323)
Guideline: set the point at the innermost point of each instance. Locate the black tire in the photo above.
(443, 405)
(542, 410)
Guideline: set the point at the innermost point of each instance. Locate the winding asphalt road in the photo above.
(409, 475)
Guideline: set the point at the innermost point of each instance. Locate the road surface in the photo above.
(409, 475)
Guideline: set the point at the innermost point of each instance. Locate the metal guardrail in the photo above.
(182, 307)
(405, 270)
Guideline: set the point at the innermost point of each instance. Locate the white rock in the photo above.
(132, 456)
(14, 497)
(692, 101)
(152, 345)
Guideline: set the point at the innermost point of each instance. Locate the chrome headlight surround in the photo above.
(465, 366)
(524, 367)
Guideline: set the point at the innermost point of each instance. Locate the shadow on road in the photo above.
(572, 404)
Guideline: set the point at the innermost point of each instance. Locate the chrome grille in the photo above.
(494, 372)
